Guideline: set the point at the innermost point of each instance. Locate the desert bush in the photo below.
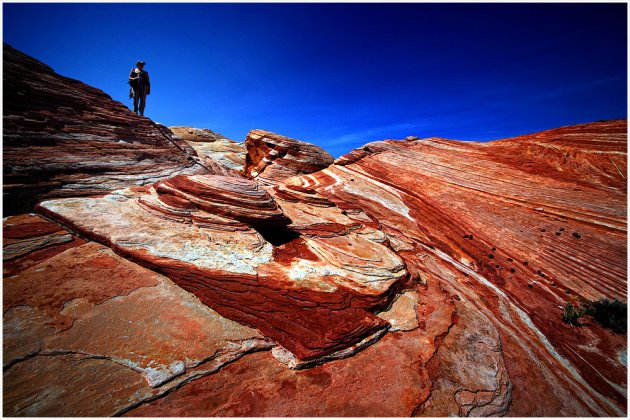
(571, 314)
(611, 314)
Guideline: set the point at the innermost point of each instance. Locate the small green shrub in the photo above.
(571, 314)
(611, 314)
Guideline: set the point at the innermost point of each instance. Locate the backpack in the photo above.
(134, 82)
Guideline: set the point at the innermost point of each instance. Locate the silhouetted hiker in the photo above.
(141, 87)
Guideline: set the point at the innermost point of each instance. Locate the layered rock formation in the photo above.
(409, 278)
(242, 253)
(63, 138)
(272, 157)
(213, 147)
(517, 235)
(88, 333)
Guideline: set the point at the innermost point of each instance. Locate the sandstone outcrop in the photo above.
(420, 277)
(272, 157)
(516, 234)
(88, 333)
(347, 240)
(242, 253)
(213, 147)
(63, 138)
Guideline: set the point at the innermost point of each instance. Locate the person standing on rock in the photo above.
(141, 87)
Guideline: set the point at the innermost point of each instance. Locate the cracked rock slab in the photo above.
(68, 385)
(469, 374)
(259, 385)
(102, 334)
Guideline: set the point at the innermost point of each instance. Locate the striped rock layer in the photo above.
(213, 148)
(252, 258)
(63, 138)
(272, 157)
(513, 230)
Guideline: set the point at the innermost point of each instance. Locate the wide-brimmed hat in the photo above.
(140, 62)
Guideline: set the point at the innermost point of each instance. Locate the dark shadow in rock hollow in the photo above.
(277, 235)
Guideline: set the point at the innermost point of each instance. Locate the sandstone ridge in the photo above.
(63, 138)
(213, 148)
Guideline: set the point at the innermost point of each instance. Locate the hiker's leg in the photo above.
(136, 95)
(143, 102)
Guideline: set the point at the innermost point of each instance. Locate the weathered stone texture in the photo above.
(88, 333)
(229, 243)
(272, 157)
(213, 147)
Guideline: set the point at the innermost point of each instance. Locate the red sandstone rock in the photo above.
(312, 294)
(272, 157)
(211, 146)
(390, 378)
(258, 385)
(229, 197)
(62, 138)
(89, 333)
(501, 223)
(28, 239)
(367, 149)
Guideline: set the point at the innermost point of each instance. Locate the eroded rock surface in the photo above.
(272, 157)
(258, 385)
(213, 147)
(101, 334)
(63, 138)
(306, 276)
(520, 237)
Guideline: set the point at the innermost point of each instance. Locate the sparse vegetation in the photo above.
(572, 314)
(610, 314)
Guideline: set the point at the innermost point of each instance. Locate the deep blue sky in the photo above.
(341, 75)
